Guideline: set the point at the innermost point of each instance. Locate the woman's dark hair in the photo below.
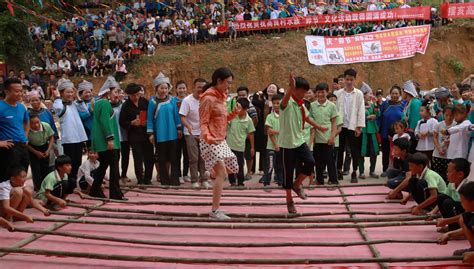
(62, 160)
(265, 94)
(219, 74)
(301, 83)
(181, 82)
(396, 87)
(323, 86)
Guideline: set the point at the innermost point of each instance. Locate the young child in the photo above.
(339, 121)
(272, 128)
(459, 135)
(449, 204)
(324, 113)
(466, 193)
(399, 176)
(15, 196)
(87, 171)
(399, 129)
(57, 185)
(294, 150)
(238, 130)
(424, 132)
(441, 142)
(424, 185)
(370, 145)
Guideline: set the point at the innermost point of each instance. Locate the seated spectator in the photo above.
(81, 64)
(120, 70)
(64, 65)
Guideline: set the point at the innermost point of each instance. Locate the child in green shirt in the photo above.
(339, 122)
(238, 130)
(272, 128)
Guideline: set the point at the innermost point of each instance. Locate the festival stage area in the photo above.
(168, 228)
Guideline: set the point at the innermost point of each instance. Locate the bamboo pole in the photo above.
(218, 244)
(118, 257)
(196, 214)
(239, 225)
(243, 215)
(242, 220)
(258, 188)
(209, 203)
(197, 194)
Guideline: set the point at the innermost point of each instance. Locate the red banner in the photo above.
(456, 11)
(369, 47)
(414, 13)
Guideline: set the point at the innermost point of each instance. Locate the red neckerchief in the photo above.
(301, 104)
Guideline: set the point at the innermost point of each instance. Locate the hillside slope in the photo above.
(259, 60)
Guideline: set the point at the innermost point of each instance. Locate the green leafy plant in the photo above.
(456, 65)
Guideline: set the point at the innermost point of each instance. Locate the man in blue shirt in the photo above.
(14, 127)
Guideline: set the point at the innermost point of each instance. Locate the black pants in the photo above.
(449, 208)
(106, 159)
(300, 158)
(124, 158)
(63, 188)
(240, 174)
(17, 155)
(419, 191)
(74, 151)
(39, 167)
(167, 152)
(385, 154)
(355, 146)
(143, 156)
(183, 152)
(324, 157)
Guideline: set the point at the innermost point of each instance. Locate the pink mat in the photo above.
(231, 235)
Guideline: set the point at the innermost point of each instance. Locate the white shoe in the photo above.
(181, 180)
(218, 215)
(206, 185)
(187, 179)
(195, 185)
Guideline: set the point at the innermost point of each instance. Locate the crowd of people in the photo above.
(202, 133)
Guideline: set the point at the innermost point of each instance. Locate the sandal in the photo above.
(291, 207)
(300, 192)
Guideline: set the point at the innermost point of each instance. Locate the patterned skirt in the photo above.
(212, 153)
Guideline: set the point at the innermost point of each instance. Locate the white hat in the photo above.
(409, 87)
(110, 83)
(365, 88)
(65, 84)
(85, 85)
(161, 79)
(34, 68)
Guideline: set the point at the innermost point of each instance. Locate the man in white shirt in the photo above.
(350, 103)
(64, 65)
(189, 112)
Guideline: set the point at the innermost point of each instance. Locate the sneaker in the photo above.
(266, 188)
(374, 175)
(196, 185)
(181, 180)
(206, 185)
(461, 252)
(218, 215)
(384, 174)
(345, 173)
(362, 176)
(248, 177)
(187, 179)
(354, 177)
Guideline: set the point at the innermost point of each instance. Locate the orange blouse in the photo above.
(213, 115)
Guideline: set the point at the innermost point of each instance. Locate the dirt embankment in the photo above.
(259, 60)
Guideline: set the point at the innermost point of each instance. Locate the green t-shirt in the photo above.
(39, 138)
(291, 125)
(434, 181)
(322, 114)
(237, 132)
(339, 122)
(272, 121)
(453, 193)
(48, 184)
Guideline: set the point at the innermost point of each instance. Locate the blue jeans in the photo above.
(273, 163)
(395, 177)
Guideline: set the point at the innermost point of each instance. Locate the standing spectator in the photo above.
(111, 35)
(181, 93)
(14, 128)
(98, 36)
(120, 37)
(133, 121)
(124, 145)
(391, 111)
(106, 141)
(350, 103)
(164, 129)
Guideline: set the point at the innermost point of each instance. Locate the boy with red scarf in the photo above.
(294, 150)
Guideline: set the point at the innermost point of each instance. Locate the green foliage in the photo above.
(16, 44)
(456, 65)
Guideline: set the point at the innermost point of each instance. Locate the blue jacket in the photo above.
(163, 119)
(389, 114)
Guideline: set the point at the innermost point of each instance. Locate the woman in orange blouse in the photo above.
(215, 152)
